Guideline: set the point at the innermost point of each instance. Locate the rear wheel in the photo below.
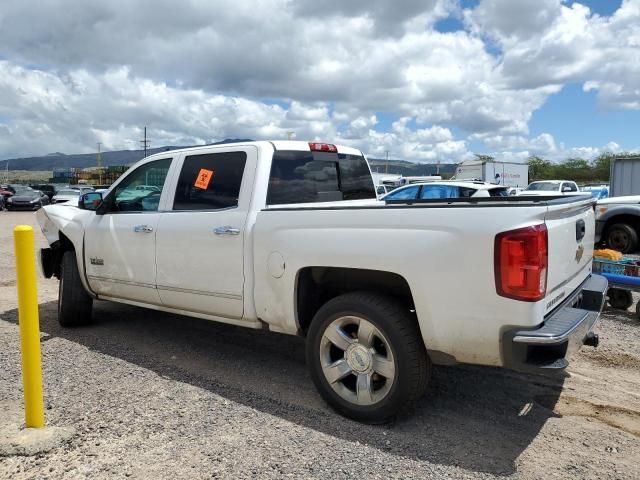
(366, 356)
(622, 237)
(619, 298)
(74, 303)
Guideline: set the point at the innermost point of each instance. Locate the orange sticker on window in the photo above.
(203, 179)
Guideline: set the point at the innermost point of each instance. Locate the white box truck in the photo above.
(509, 174)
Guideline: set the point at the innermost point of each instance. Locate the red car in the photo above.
(4, 194)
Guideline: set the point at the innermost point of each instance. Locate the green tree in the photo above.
(539, 168)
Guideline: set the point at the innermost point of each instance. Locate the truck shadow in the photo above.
(479, 419)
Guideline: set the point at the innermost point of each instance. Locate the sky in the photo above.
(424, 80)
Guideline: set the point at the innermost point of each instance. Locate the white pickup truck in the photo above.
(551, 187)
(288, 236)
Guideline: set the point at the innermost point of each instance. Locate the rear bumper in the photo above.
(549, 346)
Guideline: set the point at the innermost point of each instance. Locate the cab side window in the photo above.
(140, 190)
(408, 193)
(210, 181)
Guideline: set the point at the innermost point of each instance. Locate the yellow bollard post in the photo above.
(29, 326)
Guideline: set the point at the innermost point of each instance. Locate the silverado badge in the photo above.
(579, 253)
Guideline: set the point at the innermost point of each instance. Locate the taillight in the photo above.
(323, 147)
(521, 261)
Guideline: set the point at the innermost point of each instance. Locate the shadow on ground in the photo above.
(479, 419)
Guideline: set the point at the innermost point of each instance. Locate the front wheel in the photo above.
(622, 237)
(366, 356)
(620, 299)
(74, 303)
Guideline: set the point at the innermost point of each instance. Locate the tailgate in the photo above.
(571, 230)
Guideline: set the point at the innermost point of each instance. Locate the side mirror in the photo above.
(90, 201)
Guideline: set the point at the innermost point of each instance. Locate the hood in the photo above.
(25, 197)
(538, 193)
(631, 199)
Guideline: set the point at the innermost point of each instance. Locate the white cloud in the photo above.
(546, 42)
(520, 148)
(77, 72)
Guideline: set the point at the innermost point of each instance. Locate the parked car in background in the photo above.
(382, 190)
(289, 236)
(47, 189)
(446, 189)
(26, 198)
(545, 188)
(618, 223)
(597, 191)
(63, 196)
(5, 193)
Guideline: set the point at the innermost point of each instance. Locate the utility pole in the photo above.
(144, 142)
(99, 163)
(386, 164)
(99, 156)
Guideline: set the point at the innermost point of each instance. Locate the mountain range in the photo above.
(55, 160)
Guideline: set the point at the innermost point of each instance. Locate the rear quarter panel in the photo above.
(445, 254)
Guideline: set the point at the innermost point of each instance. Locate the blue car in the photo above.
(598, 192)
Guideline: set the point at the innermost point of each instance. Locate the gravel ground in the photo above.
(157, 395)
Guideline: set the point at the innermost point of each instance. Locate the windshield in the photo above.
(68, 192)
(544, 186)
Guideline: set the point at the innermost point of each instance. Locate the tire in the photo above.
(622, 237)
(74, 303)
(372, 378)
(638, 311)
(620, 299)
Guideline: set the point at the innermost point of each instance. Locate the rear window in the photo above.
(499, 192)
(307, 177)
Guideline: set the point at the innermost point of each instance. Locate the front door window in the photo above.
(140, 191)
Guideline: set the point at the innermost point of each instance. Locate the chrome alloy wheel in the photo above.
(357, 360)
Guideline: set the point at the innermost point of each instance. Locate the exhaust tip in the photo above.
(592, 339)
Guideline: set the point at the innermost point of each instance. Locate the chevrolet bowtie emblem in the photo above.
(579, 253)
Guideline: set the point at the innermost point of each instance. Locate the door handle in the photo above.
(143, 229)
(226, 230)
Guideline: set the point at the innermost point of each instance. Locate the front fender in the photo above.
(59, 222)
(614, 211)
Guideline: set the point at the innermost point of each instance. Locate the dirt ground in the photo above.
(154, 395)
